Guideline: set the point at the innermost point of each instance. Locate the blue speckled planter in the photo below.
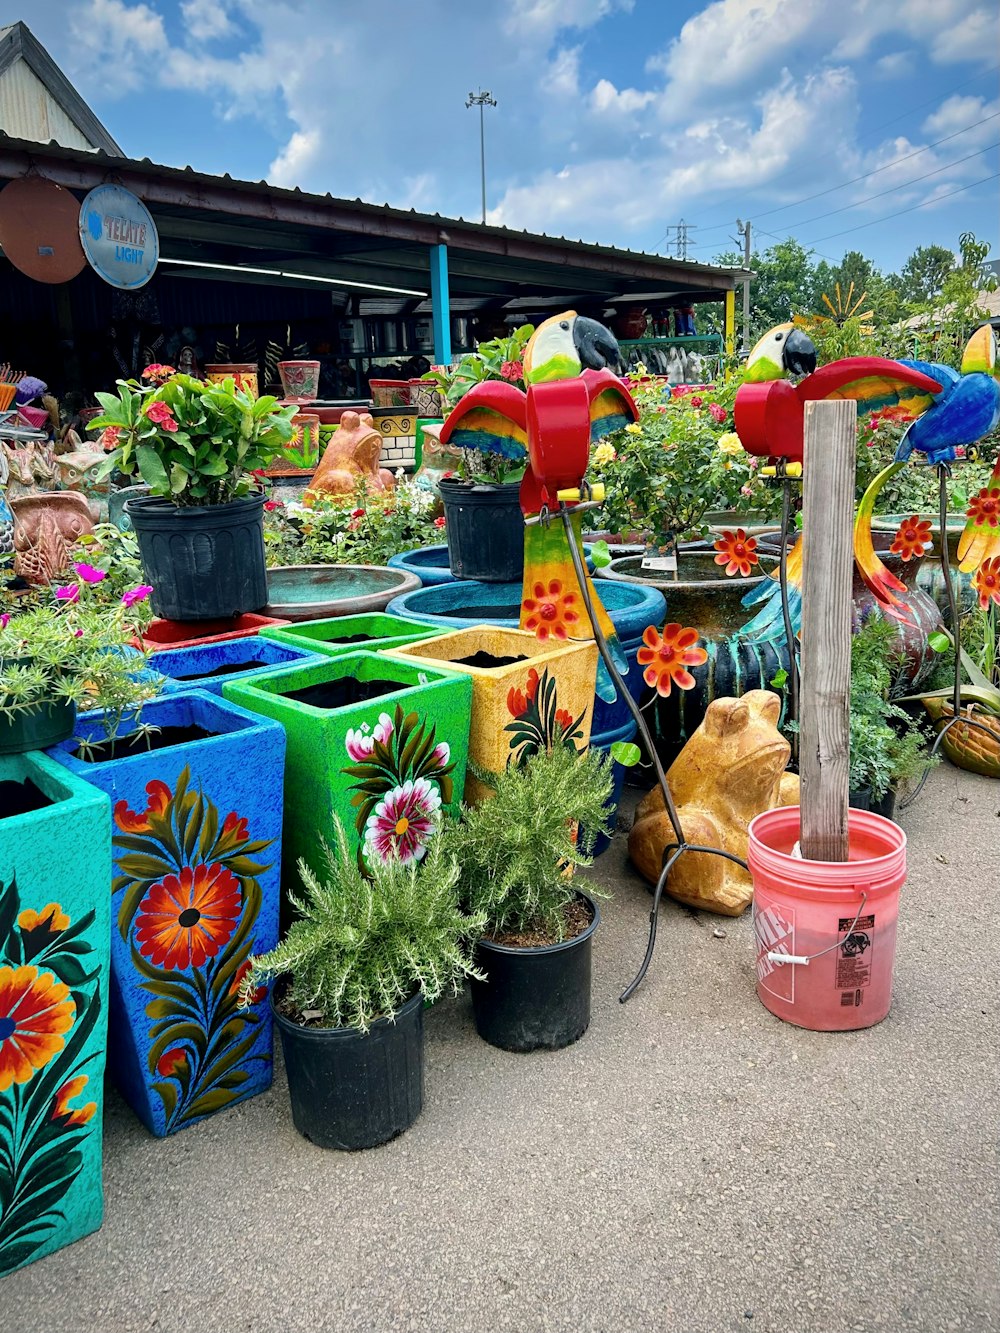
(55, 863)
(350, 634)
(457, 605)
(196, 837)
(191, 668)
(430, 564)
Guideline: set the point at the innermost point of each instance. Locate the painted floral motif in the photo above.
(912, 538)
(403, 777)
(551, 611)
(48, 1009)
(984, 507)
(986, 582)
(539, 723)
(737, 552)
(190, 901)
(667, 656)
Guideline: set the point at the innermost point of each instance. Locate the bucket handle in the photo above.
(806, 959)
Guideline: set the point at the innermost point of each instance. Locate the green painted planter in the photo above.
(55, 866)
(350, 634)
(381, 743)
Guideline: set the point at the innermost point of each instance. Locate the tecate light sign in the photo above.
(119, 236)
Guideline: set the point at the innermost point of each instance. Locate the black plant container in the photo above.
(204, 562)
(352, 1089)
(38, 729)
(534, 998)
(862, 800)
(485, 530)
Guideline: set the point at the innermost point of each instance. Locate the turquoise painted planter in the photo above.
(430, 564)
(350, 634)
(381, 743)
(461, 604)
(196, 837)
(55, 864)
(206, 666)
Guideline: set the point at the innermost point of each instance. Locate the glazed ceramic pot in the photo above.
(243, 372)
(338, 635)
(204, 666)
(911, 638)
(195, 829)
(55, 870)
(317, 592)
(299, 380)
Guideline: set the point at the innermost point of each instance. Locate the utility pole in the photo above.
(745, 234)
(481, 99)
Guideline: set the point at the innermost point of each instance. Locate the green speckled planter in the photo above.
(350, 634)
(55, 867)
(384, 762)
(519, 706)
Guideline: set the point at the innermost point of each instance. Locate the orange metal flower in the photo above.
(912, 537)
(984, 507)
(35, 1012)
(158, 797)
(188, 917)
(66, 1115)
(737, 552)
(986, 582)
(550, 610)
(666, 657)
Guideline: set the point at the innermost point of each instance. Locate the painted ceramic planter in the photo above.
(315, 592)
(430, 564)
(189, 633)
(299, 380)
(381, 744)
(55, 863)
(196, 844)
(350, 634)
(398, 428)
(206, 665)
(524, 693)
(244, 373)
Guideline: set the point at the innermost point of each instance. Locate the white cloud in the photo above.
(606, 99)
(533, 19)
(295, 161)
(563, 75)
(956, 112)
(952, 30)
(206, 20)
(895, 65)
(122, 38)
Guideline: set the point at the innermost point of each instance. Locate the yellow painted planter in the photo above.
(526, 695)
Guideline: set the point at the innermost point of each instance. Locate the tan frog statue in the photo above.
(731, 769)
(352, 456)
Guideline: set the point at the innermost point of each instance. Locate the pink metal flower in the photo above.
(401, 823)
(69, 592)
(139, 594)
(89, 573)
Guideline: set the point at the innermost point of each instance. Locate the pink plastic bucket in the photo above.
(825, 931)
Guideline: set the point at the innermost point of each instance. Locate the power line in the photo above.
(888, 218)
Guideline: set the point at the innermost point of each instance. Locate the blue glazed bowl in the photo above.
(430, 564)
(604, 742)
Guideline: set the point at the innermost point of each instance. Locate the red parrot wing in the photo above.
(611, 404)
(492, 418)
(874, 382)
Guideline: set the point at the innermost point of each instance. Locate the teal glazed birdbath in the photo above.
(315, 592)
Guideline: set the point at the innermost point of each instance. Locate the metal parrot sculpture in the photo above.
(572, 399)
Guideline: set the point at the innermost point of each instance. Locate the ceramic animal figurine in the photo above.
(731, 769)
(675, 366)
(76, 469)
(6, 516)
(351, 456)
(45, 527)
(437, 460)
(20, 476)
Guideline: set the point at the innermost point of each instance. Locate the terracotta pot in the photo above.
(300, 380)
(243, 372)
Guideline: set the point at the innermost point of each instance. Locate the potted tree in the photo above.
(516, 854)
(365, 955)
(196, 446)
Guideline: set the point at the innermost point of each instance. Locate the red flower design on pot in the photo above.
(551, 611)
(68, 1117)
(187, 918)
(35, 1013)
(158, 797)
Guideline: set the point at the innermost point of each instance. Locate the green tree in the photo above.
(922, 277)
(782, 284)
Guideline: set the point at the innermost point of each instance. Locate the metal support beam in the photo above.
(441, 312)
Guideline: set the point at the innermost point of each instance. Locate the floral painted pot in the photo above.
(924, 617)
(379, 743)
(243, 372)
(523, 691)
(196, 843)
(338, 635)
(205, 666)
(299, 380)
(55, 867)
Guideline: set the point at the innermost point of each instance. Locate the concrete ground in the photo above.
(692, 1164)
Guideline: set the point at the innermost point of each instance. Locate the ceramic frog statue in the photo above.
(731, 769)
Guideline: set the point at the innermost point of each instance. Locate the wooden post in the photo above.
(827, 574)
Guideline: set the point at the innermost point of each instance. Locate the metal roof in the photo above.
(17, 44)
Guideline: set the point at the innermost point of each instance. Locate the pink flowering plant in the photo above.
(498, 359)
(77, 648)
(190, 442)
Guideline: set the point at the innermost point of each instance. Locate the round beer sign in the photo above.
(119, 237)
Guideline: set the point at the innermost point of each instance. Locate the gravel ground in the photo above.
(692, 1164)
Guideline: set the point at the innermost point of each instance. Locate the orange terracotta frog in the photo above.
(351, 456)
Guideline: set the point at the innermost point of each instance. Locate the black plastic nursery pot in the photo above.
(535, 998)
(863, 800)
(205, 562)
(352, 1089)
(37, 729)
(485, 530)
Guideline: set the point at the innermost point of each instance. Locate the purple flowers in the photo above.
(89, 573)
(4, 620)
(139, 594)
(69, 592)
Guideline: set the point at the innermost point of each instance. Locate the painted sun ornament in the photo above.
(912, 538)
(665, 657)
(737, 552)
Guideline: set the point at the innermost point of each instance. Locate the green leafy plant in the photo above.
(191, 442)
(515, 850)
(887, 744)
(360, 529)
(114, 552)
(363, 946)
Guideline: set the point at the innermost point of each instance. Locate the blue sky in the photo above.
(615, 118)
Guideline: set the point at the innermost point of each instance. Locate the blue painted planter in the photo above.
(55, 864)
(631, 607)
(338, 635)
(196, 845)
(208, 665)
(604, 742)
(430, 564)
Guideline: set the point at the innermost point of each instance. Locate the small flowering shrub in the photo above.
(191, 442)
(914, 490)
(360, 529)
(498, 359)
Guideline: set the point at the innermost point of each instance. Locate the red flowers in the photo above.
(666, 657)
(986, 582)
(158, 797)
(512, 370)
(188, 917)
(518, 701)
(984, 507)
(272, 505)
(439, 522)
(160, 414)
(158, 373)
(170, 1062)
(550, 610)
(718, 413)
(737, 552)
(696, 401)
(912, 537)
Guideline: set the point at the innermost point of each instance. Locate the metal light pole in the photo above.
(480, 100)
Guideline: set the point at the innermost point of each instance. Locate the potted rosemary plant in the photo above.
(197, 447)
(357, 967)
(516, 853)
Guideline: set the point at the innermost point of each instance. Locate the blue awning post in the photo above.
(441, 311)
